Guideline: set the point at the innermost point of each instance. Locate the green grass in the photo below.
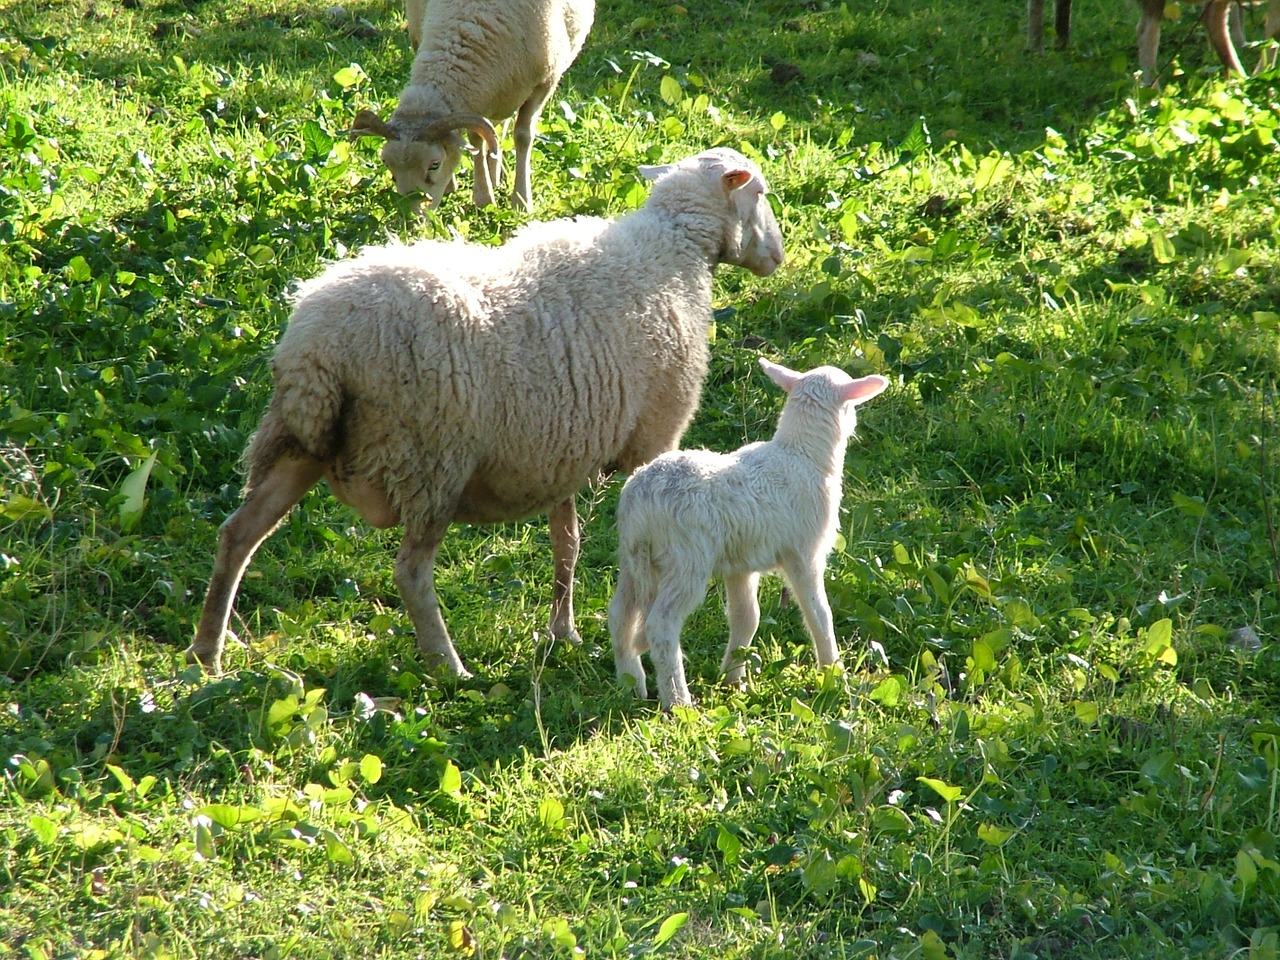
(1047, 744)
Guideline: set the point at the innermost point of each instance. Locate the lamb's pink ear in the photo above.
(863, 389)
(784, 377)
(653, 171)
(737, 178)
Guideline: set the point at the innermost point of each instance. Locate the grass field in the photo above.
(1057, 590)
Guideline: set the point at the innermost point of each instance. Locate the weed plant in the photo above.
(1056, 585)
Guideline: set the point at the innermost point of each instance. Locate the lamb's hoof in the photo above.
(571, 636)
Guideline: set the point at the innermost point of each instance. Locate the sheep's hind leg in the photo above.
(565, 547)
(806, 583)
(415, 579)
(484, 168)
(241, 534)
(742, 608)
(678, 597)
(626, 620)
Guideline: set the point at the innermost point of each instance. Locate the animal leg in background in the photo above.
(565, 546)
(1035, 25)
(523, 133)
(415, 579)
(805, 577)
(269, 499)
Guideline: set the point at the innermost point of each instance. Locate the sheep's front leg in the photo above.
(525, 129)
(270, 498)
(1149, 39)
(1035, 26)
(1062, 23)
(415, 579)
(742, 608)
(484, 168)
(565, 546)
(805, 577)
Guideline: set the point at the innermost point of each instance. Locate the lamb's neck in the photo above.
(818, 439)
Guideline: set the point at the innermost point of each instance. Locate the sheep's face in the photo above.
(752, 237)
(425, 166)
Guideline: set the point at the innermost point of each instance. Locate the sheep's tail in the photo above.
(304, 417)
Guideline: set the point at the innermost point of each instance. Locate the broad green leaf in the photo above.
(134, 491)
(46, 830)
(778, 120)
(670, 927)
(888, 691)
(551, 814)
(371, 768)
(995, 836)
(945, 790)
(228, 816)
(450, 779)
(336, 850)
(983, 658)
(932, 946)
(729, 845)
(669, 90)
(20, 507)
(991, 170)
(1191, 506)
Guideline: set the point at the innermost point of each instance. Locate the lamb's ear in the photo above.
(369, 124)
(737, 178)
(784, 377)
(863, 389)
(653, 171)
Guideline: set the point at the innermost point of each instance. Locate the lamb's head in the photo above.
(751, 237)
(824, 391)
(422, 153)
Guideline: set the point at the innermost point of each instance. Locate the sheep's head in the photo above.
(751, 238)
(422, 157)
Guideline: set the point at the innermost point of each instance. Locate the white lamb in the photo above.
(477, 61)
(693, 514)
(453, 381)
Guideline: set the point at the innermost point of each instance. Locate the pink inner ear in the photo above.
(782, 376)
(864, 388)
(737, 178)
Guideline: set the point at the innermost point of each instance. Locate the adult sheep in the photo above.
(451, 381)
(476, 61)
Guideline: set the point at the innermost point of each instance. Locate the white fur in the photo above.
(452, 381)
(485, 58)
(693, 514)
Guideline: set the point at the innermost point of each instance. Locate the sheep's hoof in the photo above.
(211, 665)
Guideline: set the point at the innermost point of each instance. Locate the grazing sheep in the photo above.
(1220, 17)
(693, 514)
(451, 381)
(476, 61)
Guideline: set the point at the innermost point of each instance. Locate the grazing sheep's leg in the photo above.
(1272, 28)
(1216, 19)
(743, 611)
(805, 578)
(626, 621)
(678, 597)
(269, 499)
(1035, 26)
(415, 579)
(1149, 39)
(413, 11)
(564, 548)
(481, 186)
(525, 129)
(1062, 24)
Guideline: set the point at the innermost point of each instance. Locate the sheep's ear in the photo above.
(654, 171)
(369, 124)
(737, 178)
(863, 389)
(784, 377)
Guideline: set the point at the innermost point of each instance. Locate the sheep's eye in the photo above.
(434, 167)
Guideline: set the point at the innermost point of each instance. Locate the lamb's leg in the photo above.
(678, 597)
(415, 579)
(806, 583)
(742, 608)
(1062, 24)
(481, 186)
(565, 547)
(1035, 26)
(625, 623)
(269, 499)
(1216, 19)
(1149, 39)
(526, 127)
